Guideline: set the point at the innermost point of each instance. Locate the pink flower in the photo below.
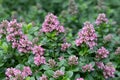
(39, 60)
(108, 71)
(12, 72)
(52, 63)
(79, 79)
(17, 38)
(3, 27)
(101, 18)
(102, 53)
(16, 74)
(58, 73)
(26, 71)
(73, 60)
(87, 67)
(64, 46)
(87, 35)
(38, 50)
(43, 77)
(117, 51)
(100, 65)
(24, 45)
(51, 23)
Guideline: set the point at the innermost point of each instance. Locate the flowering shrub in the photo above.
(50, 53)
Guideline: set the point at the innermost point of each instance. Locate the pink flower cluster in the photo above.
(61, 58)
(58, 73)
(100, 65)
(51, 23)
(17, 38)
(117, 51)
(64, 46)
(101, 18)
(52, 63)
(102, 53)
(108, 70)
(87, 67)
(43, 77)
(87, 35)
(38, 51)
(16, 74)
(3, 27)
(73, 60)
(79, 79)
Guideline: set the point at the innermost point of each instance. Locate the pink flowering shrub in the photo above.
(87, 35)
(101, 19)
(52, 52)
(51, 23)
(102, 53)
(16, 74)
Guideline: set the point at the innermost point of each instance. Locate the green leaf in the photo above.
(32, 78)
(89, 77)
(93, 63)
(62, 62)
(75, 69)
(69, 74)
(33, 29)
(63, 69)
(29, 26)
(30, 37)
(19, 66)
(28, 78)
(52, 79)
(65, 78)
(49, 73)
(1, 64)
(4, 46)
(45, 67)
(77, 76)
(56, 1)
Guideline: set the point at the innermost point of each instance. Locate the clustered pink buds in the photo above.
(17, 38)
(100, 65)
(87, 67)
(38, 60)
(38, 51)
(101, 18)
(87, 35)
(108, 71)
(43, 77)
(51, 23)
(102, 53)
(79, 79)
(108, 38)
(16, 74)
(64, 46)
(73, 60)
(61, 58)
(26, 71)
(58, 73)
(3, 27)
(52, 63)
(117, 50)
(24, 45)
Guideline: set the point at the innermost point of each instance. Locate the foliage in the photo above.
(62, 56)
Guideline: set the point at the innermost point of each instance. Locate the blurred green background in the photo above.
(73, 12)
